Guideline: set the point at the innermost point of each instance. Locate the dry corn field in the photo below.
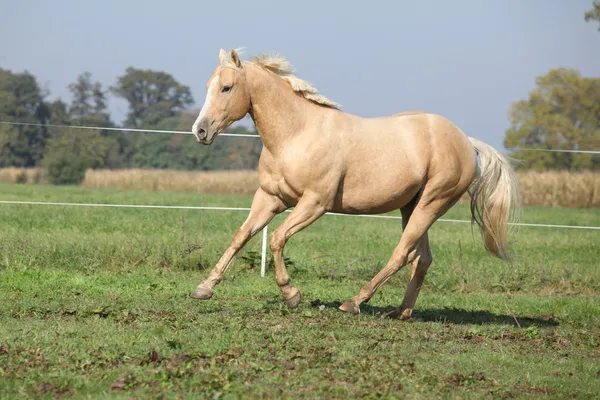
(549, 189)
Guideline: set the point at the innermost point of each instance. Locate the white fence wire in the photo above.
(243, 135)
(99, 128)
(264, 233)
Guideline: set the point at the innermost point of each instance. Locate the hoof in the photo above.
(294, 299)
(202, 293)
(399, 313)
(350, 307)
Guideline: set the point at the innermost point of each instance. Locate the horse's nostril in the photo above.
(201, 133)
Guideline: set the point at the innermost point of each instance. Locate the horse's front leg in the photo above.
(264, 208)
(308, 210)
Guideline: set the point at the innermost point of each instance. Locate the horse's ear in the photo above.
(222, 55)
(233, 56)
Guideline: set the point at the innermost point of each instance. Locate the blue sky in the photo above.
(465, 59)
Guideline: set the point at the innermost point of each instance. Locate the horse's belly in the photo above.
(376, 197)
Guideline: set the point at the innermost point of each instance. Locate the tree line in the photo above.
(156, 101)
(562, 112)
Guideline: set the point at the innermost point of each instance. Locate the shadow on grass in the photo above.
(457, 316)
(479, 317)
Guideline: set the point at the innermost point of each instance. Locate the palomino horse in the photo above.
(319, 159)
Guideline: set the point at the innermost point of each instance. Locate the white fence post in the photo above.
(263, 259)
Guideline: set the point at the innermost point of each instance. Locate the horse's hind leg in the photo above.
(419, 269)
(433, 203)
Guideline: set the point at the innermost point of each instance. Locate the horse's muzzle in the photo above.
(201, 135)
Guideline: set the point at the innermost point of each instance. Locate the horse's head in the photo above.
(227, 98)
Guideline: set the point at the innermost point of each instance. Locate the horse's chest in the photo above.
(277, 184)
(291, 175)
(287, 193)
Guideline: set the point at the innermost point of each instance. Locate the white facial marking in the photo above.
(207, 102)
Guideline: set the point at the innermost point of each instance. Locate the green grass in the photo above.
(94, 303)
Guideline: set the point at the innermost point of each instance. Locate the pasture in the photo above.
(95, 302)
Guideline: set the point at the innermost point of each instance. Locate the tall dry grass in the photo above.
(217, 182)
(23, 175)
(560, 189)
(549, 189)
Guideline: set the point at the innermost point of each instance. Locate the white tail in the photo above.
(494, 198)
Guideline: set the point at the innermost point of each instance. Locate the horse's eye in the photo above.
(226, 89)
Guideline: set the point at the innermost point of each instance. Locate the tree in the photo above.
(58, 113)
(156, 100)
(158, 150)
(152, 96)
(594, 13)
(89, 105)
(90, 108)
(70, 152)
(563, 112)
(21, 100)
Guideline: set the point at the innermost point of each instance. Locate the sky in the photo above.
(466, 59)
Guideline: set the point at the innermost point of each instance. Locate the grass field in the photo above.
(94, 302)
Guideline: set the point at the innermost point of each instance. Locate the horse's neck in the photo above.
(277, 111)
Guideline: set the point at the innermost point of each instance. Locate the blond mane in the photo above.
(282, 68)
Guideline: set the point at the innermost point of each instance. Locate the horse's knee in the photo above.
(277, 242)
(398, 260)
(282, 279)
(403, 255)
